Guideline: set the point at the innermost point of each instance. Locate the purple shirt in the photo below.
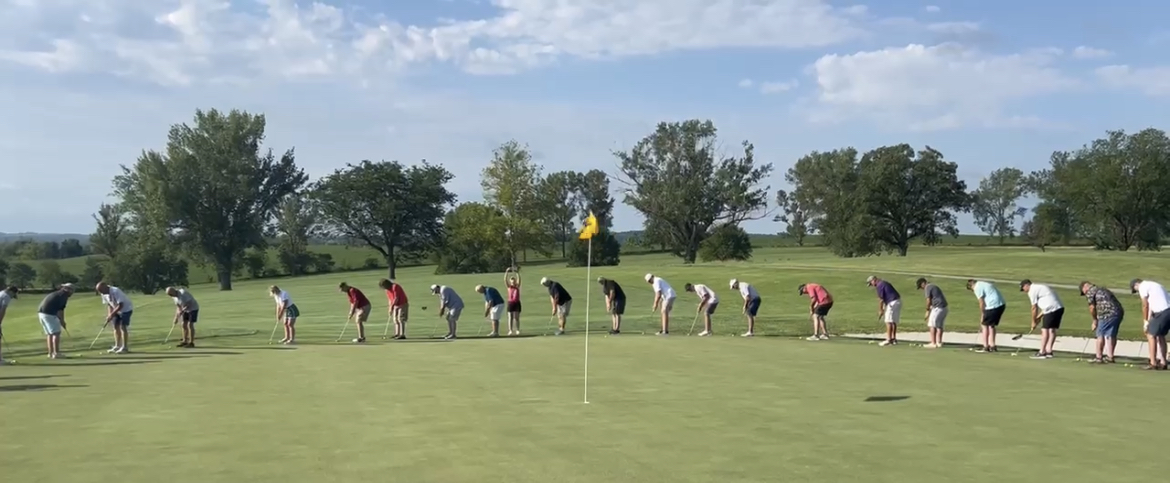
(886, 292)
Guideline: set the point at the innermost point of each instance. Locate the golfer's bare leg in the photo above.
(49, 346)
(190, 332)
(665, 322)
(361, 327)
(751, 324)
(1161, 348)
(495, 326)
(707, 322)
(561, 322)
(1111, 346)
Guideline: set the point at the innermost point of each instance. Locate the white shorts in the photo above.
(893, 312)
(453, 315)
(495, 312)
(563, 309)
(667, 306)
(937, 318)
(50, 324)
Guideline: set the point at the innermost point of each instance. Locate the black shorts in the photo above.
(190, 317)
(514, 307)
(1052, 319)
(991, 317)
(1159, 324)
(618, 307)
(823, 310)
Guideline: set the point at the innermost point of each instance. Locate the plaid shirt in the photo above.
(1106, 303)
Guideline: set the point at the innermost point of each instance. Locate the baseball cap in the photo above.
(1024, 282)
(733, 282)
(870, 279)
(434, 288)
(67, 286)
(544, 280)
(1133, 285)
(800, 289)
(649, 277)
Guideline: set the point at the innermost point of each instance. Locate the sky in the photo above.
(86, 86)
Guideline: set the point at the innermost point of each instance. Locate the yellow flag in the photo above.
(590, 227)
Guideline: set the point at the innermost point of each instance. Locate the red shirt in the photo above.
(396, 295)
(357, 298)
(818, 294)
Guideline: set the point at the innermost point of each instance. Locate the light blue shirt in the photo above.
(990, 295)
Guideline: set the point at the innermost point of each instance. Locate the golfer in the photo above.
(889, 307)
(399, 306)
(708, 302)
(615, 303)
(1156, 319)
(513, 303)
(6, 297)
(1048, 311)
(936, 311)
(287, 311)
(991, 307)
(450, 307)
(1107, 313)
(51, 314)
(820, 303)
(120, 310)
(751, 304)
(187, 311)
(561, 302)
(359, 310)
(664, 296)
(493, 307)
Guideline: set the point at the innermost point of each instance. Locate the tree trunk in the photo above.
(225, 277)
(903, 248)
(564, 247)
(391, 263)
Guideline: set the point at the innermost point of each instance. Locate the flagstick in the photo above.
(588, 299)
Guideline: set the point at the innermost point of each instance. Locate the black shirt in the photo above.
(611, 286)
(558, 293)
(54, 303)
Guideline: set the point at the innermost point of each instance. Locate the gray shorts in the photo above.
(1159, 324)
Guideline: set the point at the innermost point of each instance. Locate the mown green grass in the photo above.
(510, 410)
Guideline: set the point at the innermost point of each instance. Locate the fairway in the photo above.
(662, 409)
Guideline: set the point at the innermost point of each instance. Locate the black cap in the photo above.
(1133, 285)
(920, 283)
(800, 289)
(1024, 282)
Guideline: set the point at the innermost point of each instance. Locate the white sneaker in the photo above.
(704, 334)
(823, 337)
(813, 337)
(884, 343)
(494, 334)
(748, 334)
(114, 350)
(510, 333)
(930, 345)
(122, 350)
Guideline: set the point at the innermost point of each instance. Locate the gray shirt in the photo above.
(450, 299)
(937, 299)
(186, 301)
(54, 302)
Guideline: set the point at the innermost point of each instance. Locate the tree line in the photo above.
(43, 250)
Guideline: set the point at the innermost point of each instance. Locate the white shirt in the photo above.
(1044, 298)
(705, 291)
(185, 299)
(1155, 295)
(749, 292)
(5, 299)
(117, 296)
(282, 299)
(664, 288)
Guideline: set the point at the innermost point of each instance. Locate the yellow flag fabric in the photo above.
(590, 227)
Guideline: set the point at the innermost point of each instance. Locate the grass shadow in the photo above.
(264, 348)
(37, 387)
(73, 363)
(886, 398)
(20, 378)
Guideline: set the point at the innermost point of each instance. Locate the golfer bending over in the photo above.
(120, 310)
(1156, 319)
(1047, 311)
(51, 313)
(820, 302)
(399, 307)
(286, 310)
(708, 302)
(6, 297)
(513, 284)
(664, 296)
(1107, 313)
(493, 307)
(936, 311)
(561, 302)
(889, 308)
(751, 304)
(359, 310)
(187, 311)
(991, 307)
(615, 303)
(450, 307)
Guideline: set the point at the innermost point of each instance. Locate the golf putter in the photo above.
(342, 334)
(169, 332)
(548, 327)
(99, 336)
(389, 320)
(273, 336)
(1021, 336)
(689, 332)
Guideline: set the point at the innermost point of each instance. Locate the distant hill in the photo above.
(42, 237)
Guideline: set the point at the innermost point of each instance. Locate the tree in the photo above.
(511, 184)
(1043, 229)
(254, 263)
(675, 177)
(4, 267)
(727, 242)
(557, 194)
(593, 197)
(995, 204)
(792, 215)
(148, 265)
(95, 271)
(21, 274)
(296, 222)
(51, 275)
(71, 248)
(111, 227)
(827, 185)
(386, 206)
(473, 243)
(213, 190)
(1114, 189)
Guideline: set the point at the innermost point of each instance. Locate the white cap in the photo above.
(544, 280)
(479, 288)
(733, 283)
(649, 277)
(434, 288)
(68, 286)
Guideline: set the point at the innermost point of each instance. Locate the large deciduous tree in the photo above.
(213, 190)
(1115, 188)
(473, 243)
(827, 185)
(593, 197)
(677, 177)
(557, 194)
(793, 216)
(297, 220)
(995, 204)
(111, 227)
(389, 207)
(511, 184)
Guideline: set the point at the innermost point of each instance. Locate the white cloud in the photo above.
(1151, 81)
(932, 9)
(177, 42)
(945, 86)
(1084, 52)
(775, 87)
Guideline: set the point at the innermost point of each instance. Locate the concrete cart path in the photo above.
(1074, 345)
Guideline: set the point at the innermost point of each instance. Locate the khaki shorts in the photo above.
(667, 306)
(563, 309)
(401, 313)
(363, 314)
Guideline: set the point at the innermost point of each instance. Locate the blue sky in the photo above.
(85, 86)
